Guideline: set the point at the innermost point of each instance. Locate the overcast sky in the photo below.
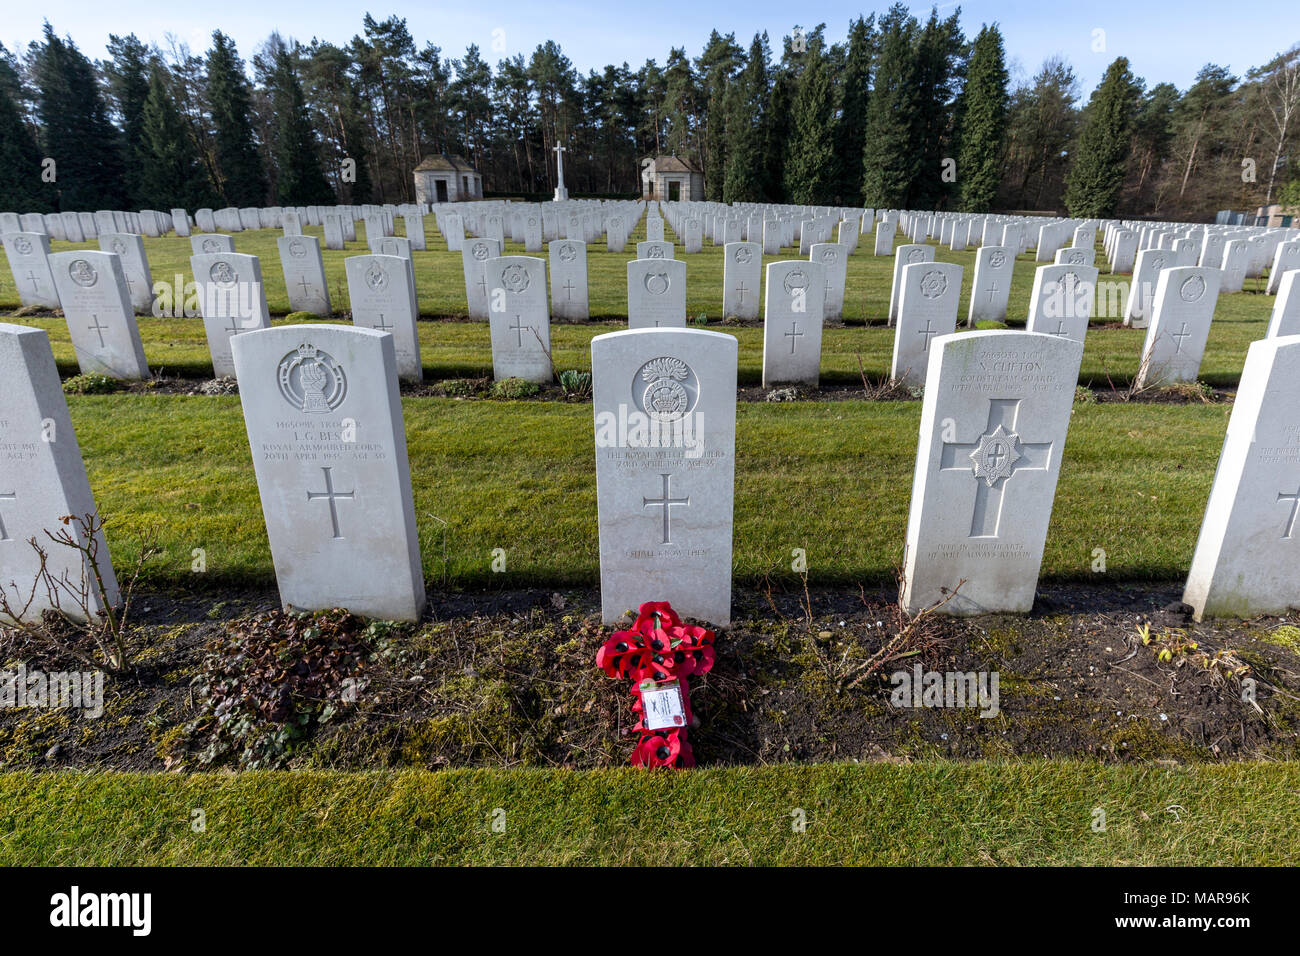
(1164, 41)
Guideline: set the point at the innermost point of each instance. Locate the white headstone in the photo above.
(654, 250)
(741, 274)
(232, 300)
(324, 421)
(97, 307)
(834, 258)
(1061, 300)
(993, 428)
(42, 479)
(474, 254)
(928, 297)
(994, 267)
(568, 279)
(520, 323)
(381, 290)
(1180, 324)
(27, 252)
(665, 434)
(794, 291)
(656, 293)
(1247, 559)
(304, 274)
(906, 255)
(1142, 290)
(1285, 319)
(210, 243)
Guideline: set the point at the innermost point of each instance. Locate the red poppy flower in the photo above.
(660, 749)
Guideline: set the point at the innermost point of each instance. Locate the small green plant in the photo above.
(92, 384)
(302, 317)
(513, 388)
(459, 388)
(1083, 395)
(985, 325)
(575, 383)
(701, 319)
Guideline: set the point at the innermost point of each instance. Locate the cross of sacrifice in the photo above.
(998, 456)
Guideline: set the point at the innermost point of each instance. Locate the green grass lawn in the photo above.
(452, 350)
(521, 476)
(939, 813)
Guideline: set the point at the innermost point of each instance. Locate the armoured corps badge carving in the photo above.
(83, 273)
(376, 277)
(311, 380)
(796, 282)
(1193, 288)
(657, 283)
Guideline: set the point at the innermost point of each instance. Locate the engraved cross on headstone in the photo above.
(330, 495)
(927, 332)
(12, 496)
(568, 288)
(518, 329)
(32, 275)
(993, 288)
(100, 329)
(1295, 511)
(381, 325)
(1179, 336)
(741, 290)
(998, 456)
(306, 286)
(793, 335)
(666, 502)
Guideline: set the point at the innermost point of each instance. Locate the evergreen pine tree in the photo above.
(777, 135)
(852, 125)
(230, 105)
(982, 130)
(1096, 176)
(810, 152)
(75, 129)
(171, 173)
(300, 180)
(21, 188)
(938, 49)
(128, 84)
(746, 175)
(890, 155)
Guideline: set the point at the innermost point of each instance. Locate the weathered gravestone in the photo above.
(994, 266)
(693, 236)
(1075, 256)
(381, 290)
(135, 266)
(180, 222)
(656, 293)
(908, 254)
(741, 273)
(884, 244)
(993, 427)
(97, 307)
(928, 296)
(1247, 559)
(211, 243)
(324, 422)
(568, 278)
(834, 258)
(654, 250)
(1285, 258)
(665, 434)
(1142, 290)
(42, 479)
(1180, 324)
(654, 230)
(1061, 300)
(1285, 319)
(27, 253)
(232, 300)
(415, 236)
(520, 324)
(474, 254)
(390, 246)
(333, 231)
(792, 323)
(304, 274)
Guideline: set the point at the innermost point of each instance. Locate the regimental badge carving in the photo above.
(934, 284)
(829, 255)
(743, 255)
(211, 246)
(796, 282)
(376, 277)
(311, 381)
(1193, 288)
(222, 274)
(23, 246)
(666, 389)
(1076, 258)
(82, 272)
(997, 259)
(532, 223)
(1064, 285)
(297, 248)
(996, 455)
(515, 279)
(915, 255)
(657, 283)
(1157, 263)
(480, 251)
(654, 252)
(119, 247)
(568, 253)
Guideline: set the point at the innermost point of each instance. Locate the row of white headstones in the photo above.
(324, 421)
